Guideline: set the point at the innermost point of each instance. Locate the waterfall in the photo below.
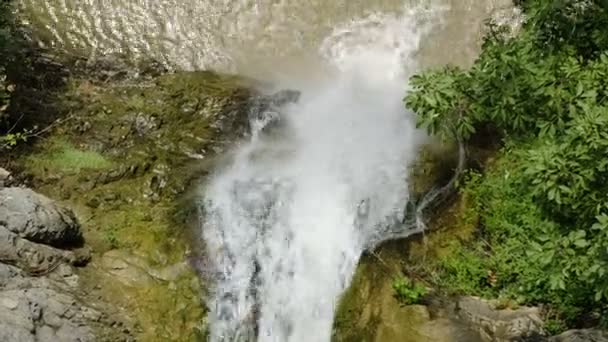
(286, 222)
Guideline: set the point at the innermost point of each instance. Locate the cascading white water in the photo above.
(287, 221)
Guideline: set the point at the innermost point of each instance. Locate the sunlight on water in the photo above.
(258, 37)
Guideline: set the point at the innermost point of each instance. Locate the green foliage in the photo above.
(111, 237)
(544, 207)
(9, 140)
(579, 25)
(521, 254)
(515, 86)
(555, 326)
(409, 292)
(5, 10)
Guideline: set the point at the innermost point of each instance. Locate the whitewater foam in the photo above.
(286, 222)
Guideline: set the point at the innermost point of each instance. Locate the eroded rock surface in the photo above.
(133, 270)
(499, 325)
(39, 290)
(37, 218)
(584, 335)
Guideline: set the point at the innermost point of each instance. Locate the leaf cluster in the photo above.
(544, 207)
(409, 292)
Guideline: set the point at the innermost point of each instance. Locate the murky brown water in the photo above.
(247, 36)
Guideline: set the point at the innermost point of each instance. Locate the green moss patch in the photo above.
(62, 156)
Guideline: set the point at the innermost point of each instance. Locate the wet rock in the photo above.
(499, 325)
(265, 111)
(37, 218)
(585, 335)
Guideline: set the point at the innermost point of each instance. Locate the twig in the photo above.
(16, 123)
(381, 260)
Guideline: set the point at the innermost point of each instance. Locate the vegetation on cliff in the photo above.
(29, 83)
(542, 204)
(5, 28)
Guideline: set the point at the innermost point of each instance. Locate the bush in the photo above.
(5, 56)
(521, 254)
(543, 207)
(408, 292)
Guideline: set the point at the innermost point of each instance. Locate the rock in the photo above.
(32, 257)
(265, 111)
(37, 284)
(128, 269)
(499, 325)
(4, 177)
(115, 68)
(370, 312)
(133, 270)
(144, 124)
(37, 218)
(42, 314)
(45, 309)
(585, 335)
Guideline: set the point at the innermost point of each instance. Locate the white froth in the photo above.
(350, 143)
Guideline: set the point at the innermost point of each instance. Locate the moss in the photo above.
(127, 183)
(368, 310)
(353, 320)
(63, 157)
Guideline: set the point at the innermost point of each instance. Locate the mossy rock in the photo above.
(369, 310)
(122, 157)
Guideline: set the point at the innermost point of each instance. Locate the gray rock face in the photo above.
(37, 218)
(43, 314)
(38, 287)
(500, 325)
(586, 335)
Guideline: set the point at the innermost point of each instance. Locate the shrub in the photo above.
(408, 292)
(543, 207)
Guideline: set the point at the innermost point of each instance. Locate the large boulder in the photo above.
(500, 325)
(40, 298)
(585, 335)
(37, 218)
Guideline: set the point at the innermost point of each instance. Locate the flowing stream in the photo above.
(287, 220)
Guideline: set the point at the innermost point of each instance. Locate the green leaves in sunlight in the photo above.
(544, 227)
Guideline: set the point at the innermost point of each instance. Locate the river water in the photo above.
(286, 222)
(256, 37)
